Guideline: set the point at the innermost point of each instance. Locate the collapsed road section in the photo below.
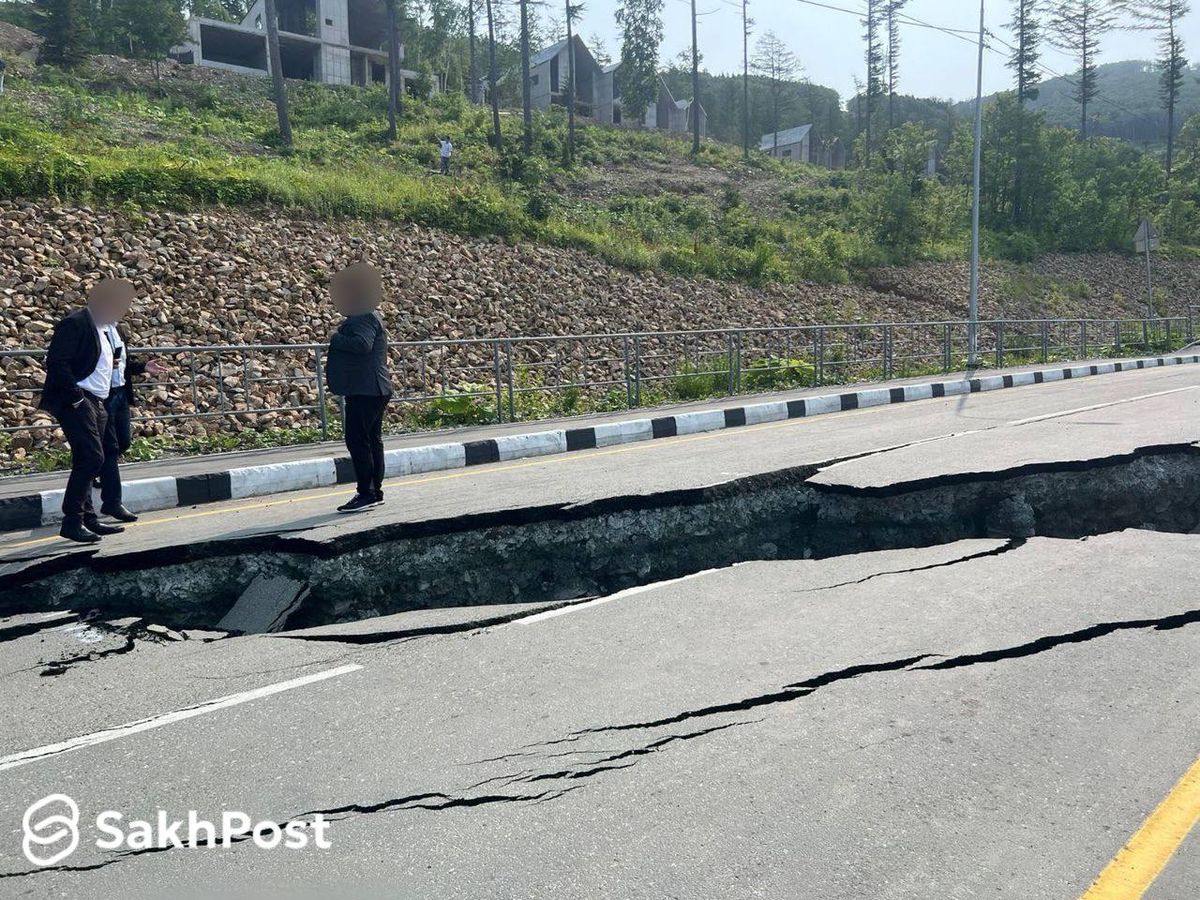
(561, 552)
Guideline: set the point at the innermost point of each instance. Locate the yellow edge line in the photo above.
(1147, 853)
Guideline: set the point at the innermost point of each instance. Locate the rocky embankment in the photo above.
(223, 277)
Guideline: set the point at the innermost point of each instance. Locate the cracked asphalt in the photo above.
(988, 718)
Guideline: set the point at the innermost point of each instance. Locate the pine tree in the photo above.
(574, 11)
(526, 98)
(493, 79)
(65, 30)
(775, 61)
(1076, 27)
(280, 89)
(473, 63)
(874, 60)
(641, 34)
(394, 16)
(893, 55)
(1165, 17)
(747, 23)
(1026, 27)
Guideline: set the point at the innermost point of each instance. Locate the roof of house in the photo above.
(789, 136)
(547, 54)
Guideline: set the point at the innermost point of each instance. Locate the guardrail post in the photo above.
(508, 355)
(628, 371)
(496, 381)
(820, 357)
(1170, 345)
(737, 383)
(1145, 335)
(729, 376)
(1083, 339)
(324, 413)
(947, 351)
(1045, 342)
(1191, 325)
(1117, 336)
(887, 352)
(999, 345)
(637, 371)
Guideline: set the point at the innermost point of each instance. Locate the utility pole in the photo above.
(695, 85)
(973, 301)
(280, 89)
(745, 79)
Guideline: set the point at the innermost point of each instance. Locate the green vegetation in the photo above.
(95, 135)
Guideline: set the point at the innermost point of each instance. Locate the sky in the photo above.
(828, 43)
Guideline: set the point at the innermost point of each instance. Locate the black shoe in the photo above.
(118, 512)
(78, 532)
(378, 497)
(95, 526)
(358, 503)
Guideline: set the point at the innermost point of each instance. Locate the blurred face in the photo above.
(356, 290)
(110, 300)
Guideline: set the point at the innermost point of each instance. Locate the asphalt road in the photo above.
(1085, 419)
(982, 719)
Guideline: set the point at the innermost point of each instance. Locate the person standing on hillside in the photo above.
(357, 370)
(446, 152)
(79, 379)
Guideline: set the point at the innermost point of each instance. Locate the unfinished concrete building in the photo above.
(331, 41)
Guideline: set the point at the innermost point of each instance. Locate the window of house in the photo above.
(554, 75)
(329, 22)
(533, 79)
(787, 152)
(258, 23)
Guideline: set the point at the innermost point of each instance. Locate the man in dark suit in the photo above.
(357, 369)
(119, 433)
(79, 373)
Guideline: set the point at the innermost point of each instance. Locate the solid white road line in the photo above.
(1095, 406)
(619, 595)
(189, 712)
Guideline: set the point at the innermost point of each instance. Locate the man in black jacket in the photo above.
(119, 434)
(79, 373)
(357, 369)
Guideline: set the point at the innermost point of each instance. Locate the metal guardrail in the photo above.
(510, 379)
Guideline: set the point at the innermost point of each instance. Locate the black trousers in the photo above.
(117, 438)
(364, 440)
(84, 426)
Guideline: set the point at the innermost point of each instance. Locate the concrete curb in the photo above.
(36, 510)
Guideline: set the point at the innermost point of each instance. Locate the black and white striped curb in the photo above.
(35, 510)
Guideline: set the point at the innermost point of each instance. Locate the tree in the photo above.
(775, 61)
(146, 29)
(493, 79)
(1027, 32)
(874, 60)
(574, 11)
(1076, 27)
(526, 98)
(747, 22)
(1165, 16)
(394, 99)
(280, 89)
(599, 50)
(891, 10)
(641, 34)
(64, 28)
(473, 64)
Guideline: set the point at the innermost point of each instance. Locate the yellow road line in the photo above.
(1147, 853)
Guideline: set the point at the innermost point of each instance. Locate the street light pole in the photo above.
(973, 302)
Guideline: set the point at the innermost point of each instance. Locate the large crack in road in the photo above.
(562, 553)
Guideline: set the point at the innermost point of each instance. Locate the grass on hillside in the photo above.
(98, 135)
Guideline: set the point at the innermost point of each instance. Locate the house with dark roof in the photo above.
(597, 93)
(801, 144)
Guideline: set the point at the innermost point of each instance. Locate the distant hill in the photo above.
(1130, 107)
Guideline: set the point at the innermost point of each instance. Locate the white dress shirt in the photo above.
(99, 383)
(115, 342)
